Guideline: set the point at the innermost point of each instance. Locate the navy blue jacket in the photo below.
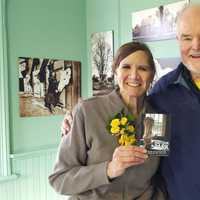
(181, 170)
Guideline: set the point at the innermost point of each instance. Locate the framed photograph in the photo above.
(156, 23)
(47, 86)
(101, 60)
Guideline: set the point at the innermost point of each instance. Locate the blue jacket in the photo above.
(181, 170)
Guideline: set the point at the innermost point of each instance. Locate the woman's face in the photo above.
(134, 75)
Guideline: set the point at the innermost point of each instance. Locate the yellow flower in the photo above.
(131, 140)
(115, 129)
(122, 131)
(131, 128)
(126, 140)
(122, 139)
(115, 123)
(123, 120)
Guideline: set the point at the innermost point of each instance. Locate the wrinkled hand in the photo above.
(124, 157)
(66, 123)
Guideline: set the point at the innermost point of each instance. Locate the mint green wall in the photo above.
(44, 29)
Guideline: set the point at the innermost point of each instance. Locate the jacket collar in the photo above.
(116, 99)
(177, 77)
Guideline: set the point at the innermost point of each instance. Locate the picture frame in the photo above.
(48, 86)
(101, 61)
(156, 134)
(157, 23)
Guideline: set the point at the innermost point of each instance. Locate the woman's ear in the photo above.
(115, 78)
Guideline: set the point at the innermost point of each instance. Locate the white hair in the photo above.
(182, 12)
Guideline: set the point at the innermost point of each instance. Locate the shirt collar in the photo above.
(116, 98)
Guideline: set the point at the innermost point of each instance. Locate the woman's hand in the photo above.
(66, 123)
(124, 157)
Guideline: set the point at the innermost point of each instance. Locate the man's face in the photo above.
(189, 39)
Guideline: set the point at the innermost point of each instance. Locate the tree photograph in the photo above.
(101, 60)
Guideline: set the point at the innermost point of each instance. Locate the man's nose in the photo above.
(196, 43)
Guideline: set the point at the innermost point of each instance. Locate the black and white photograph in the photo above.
(101, 60)
(156, 134)
(47, 86)
(157, 23)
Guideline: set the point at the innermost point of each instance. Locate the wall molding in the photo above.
(5, 169)
(35, 153)
(8, 178)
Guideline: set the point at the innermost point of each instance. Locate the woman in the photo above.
(91, 165)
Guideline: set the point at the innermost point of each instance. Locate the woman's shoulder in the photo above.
(98, 104)
(97, 99)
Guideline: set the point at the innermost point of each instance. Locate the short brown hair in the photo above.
(129, 48)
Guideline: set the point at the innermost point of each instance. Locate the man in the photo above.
(178, 93)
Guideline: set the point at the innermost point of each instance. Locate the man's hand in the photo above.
(66, 123)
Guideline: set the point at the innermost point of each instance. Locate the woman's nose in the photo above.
(134, 73)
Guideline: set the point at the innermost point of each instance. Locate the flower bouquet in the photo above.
(124, 127)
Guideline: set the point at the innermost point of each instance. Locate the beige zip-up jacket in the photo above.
(83, 155)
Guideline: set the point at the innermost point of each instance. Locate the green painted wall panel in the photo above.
(44, 29)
